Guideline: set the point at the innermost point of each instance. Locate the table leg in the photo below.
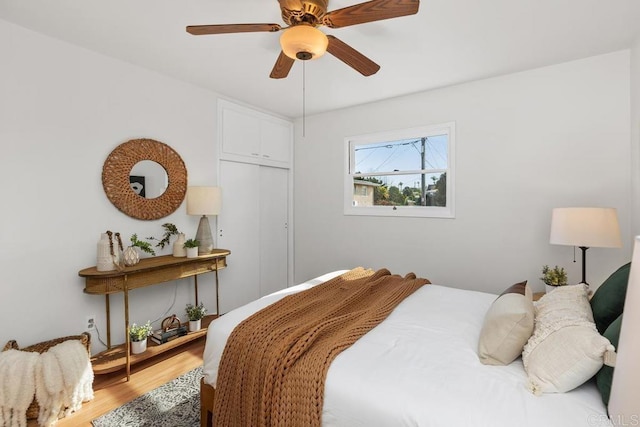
(108, 308)
(127, 347)
(217, 293)
(195, 278)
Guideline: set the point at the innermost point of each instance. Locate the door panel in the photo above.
(239, 231)
(274, 190)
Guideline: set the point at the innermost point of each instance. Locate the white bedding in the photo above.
(420, 368)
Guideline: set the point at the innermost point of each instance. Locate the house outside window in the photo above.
(363, 192)
(407, 172)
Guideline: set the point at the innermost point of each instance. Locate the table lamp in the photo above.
(585, 228)
(624, 403)
(204, 201)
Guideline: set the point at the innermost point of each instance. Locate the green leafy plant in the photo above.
(554, 276)
(144, 246)
(169, 230)
(195, 312)
(141, 332)
(191, 243)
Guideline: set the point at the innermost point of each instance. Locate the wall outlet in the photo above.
(90, 323)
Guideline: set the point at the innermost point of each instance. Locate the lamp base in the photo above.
(203, 235)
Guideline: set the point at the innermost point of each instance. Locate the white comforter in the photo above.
(420, 368)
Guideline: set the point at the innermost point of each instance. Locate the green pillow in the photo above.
(604, 377)
(608, 300)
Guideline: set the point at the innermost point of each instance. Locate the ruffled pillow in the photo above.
(565, 349)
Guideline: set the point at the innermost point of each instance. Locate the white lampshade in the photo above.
(204, 200)
(624, 403)
(589, 227)
(303, 42)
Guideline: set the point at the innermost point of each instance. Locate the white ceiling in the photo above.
(447, 42)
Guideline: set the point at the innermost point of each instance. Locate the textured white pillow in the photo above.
(565, 349)
(507, 326)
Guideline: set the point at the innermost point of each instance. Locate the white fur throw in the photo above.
(61, 379)
(17, 386)
(64, 380)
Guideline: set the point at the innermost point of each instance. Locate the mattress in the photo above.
(420, 368)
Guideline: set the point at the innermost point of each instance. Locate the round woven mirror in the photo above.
(117, 182)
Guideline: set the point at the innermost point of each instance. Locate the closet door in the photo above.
(274, 190)
(239, 231)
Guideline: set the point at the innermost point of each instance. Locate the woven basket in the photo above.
(85, 340)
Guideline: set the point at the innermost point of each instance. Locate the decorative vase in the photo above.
(178, 246)
(105, 260)
(192, 252)
(549, 288)
(138, 347)
(195, 325)
(131, 256)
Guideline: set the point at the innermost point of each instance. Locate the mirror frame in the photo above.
(115, 179)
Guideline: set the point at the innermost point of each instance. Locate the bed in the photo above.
(420, 367)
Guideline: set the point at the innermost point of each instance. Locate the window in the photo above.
(401, 173)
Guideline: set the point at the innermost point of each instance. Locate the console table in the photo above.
(148, 272)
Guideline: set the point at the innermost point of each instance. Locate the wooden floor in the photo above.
(112, 390)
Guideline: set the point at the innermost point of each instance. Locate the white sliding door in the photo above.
(253, 225)
(239, 231)
(274, 191)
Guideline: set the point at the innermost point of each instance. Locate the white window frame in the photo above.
(401, 211)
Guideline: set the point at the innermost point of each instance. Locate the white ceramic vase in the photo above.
(178, 246)
(195, 325)
(192, 252)
(549, 288)
(138, 347)
(105, 260)
(131, 256)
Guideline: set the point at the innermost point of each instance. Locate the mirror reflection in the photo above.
(148, 179)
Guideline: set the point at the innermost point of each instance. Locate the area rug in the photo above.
(174, 404)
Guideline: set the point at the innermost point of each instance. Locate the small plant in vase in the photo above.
(171, 230)
(192, 248)
(131, 255)
(195, 313)
(138, 336)
(553, 277)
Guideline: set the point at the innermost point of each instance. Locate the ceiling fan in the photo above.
(303, 40)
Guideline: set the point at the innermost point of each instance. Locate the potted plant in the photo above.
(195, 313)
(169, 231)
(192, 248)
(131, 255)
(138, 337)
(553, 277)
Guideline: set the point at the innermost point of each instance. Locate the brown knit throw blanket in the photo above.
(274, 365)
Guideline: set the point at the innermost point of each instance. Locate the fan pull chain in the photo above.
(304, 103)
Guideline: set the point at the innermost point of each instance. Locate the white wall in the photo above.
(62, 110)
(635, 136)
(526, 142)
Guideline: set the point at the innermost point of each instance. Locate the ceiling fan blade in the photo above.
(374, 10)
(351, 57)
(282, 67)
(199, 30)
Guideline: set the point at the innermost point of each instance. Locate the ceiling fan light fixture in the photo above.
(303, 42)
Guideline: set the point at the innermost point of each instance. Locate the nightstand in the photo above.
(538, 295)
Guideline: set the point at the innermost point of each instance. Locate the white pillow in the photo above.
(507, 326)
(565, 349)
